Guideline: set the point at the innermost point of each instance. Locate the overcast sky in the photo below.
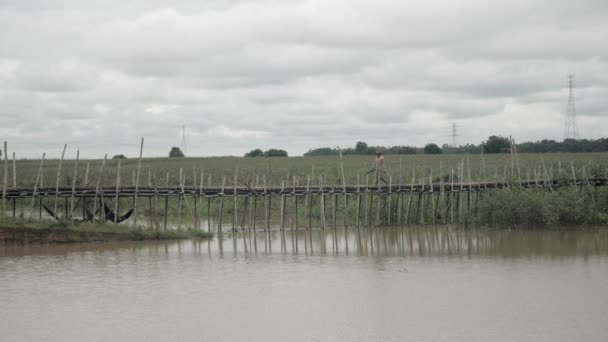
(295, 74)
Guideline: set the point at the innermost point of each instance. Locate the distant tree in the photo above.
(323, 151)
(400, 150)
(119, 156)
(497, 144)
(432, 149)
(254, 153)
(275, 153)
(176, 153)
(360, 147)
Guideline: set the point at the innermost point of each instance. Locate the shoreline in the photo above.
(10, 236)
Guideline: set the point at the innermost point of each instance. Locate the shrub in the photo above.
(176, 153)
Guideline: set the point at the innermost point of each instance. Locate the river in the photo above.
(417, 284)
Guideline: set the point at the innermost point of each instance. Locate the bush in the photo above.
(176, 153)
(119, 156)
(255, 153)
(275, 153)
(432, 149)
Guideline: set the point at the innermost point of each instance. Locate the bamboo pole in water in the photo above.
(141, 151)
(322, 203)
(344, 190)
(38, 176)
(234, 209)
(179, 199)
(209, 205)
(117, 191)
(74, 182)
(390, 201)
(255, 205)
(166, 215)
(307, 203)
(398, 205)
(367, 209)
(546, 173)
(219, 224)
(4, 179)
(14, 171)
(358, 199)
(103, 162)
(57, 183)
(334, 199)
(84, 199)
(282, 208)
(409, 200)
(295, 198)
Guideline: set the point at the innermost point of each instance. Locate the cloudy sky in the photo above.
(291, 74)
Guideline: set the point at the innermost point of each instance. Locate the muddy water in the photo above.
(380, 285)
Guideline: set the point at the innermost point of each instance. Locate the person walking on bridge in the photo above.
(379, 169)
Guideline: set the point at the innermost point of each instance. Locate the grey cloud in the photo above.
(295, 74)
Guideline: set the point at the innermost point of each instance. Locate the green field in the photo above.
(163, 171)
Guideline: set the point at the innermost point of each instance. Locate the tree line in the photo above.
(494, 144)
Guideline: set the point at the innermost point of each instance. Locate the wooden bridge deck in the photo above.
(146, 191)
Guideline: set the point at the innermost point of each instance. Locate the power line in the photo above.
(570, 129)
(183, 147)
(454, 134)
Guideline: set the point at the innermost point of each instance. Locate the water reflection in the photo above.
(417, 241)
(405, 242)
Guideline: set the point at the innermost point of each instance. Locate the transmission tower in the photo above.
(570, 129)
(183, 147)
(454, 135)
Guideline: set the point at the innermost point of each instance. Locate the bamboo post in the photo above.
(295, 202)
(103, 162)
(200, 194)
(344, 190)
(266, 203)
(209, 204)
(512, 157)
(255, 206)
(74, 182)
(358, 199)
(166, 212)
(409, 200)
(141, 151)
(546, 173)
(282, 208)
(367, 209)
(398, 205)
(390, 196)
(117, 199)
(38, 175)
(483, 165)
(333, 199)
(219, 224)
(57, 183)
(234, 209)
(14, 171)
(322, 203)
(179, 199)
(183, 195)
(4, 179)
(85, 183)
(517, 163)
(573, 173)
(307, 203)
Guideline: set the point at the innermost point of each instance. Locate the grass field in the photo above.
(163, 171)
